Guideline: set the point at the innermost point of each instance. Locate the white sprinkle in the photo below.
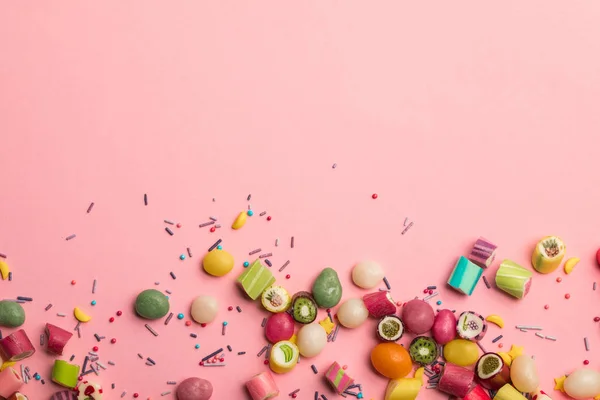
(529, 327)
(551, 338)
(539, 335)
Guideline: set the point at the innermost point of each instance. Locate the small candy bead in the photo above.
(250, 213)
(230, 308)
(93, 302)
(95, 348)
(222, 360)
(136, 395)
(425, 291)
(439, 302)
(546, 307)
(113, 340)
(294, 396)
(219, 247)
(586, 362)
(188, 323)
(119, 313)
(345, 367)
(180, 316)
(567, 296)
(197, 346)
(182, 257)
(212, 229)
(559, 279)
(203, 325)
(596, 319)
(268, 219)
(178, 225)
(111, 319)
(374, 196)
(266, 362)
(287, 276)
(201, 363)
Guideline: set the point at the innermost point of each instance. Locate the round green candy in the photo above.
(12, 314)
(151, 304)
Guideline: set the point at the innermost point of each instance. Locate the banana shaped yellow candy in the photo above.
(240, 220)
(570, 264)
(4, 270)
(405, 388)
(495, 319)
(80, 315)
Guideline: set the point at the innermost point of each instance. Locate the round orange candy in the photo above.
(391, 360)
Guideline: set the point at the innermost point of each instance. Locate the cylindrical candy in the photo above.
(57, 339)
(16, 346)
(523, 374)
(194, 389)
(65, 374)
(18, 396)
(492, 372)
(284, 357)
(539, 394)
(583, 383)
(456, 380)
(87, 390)
(338, 378)
(262, 386)
(379, 304)
(477, 393)
(513, 279)
(483, 253)
(10, 382)
(64, 395)
(276, 299)
(471, 326)
(508, 392)
(548, 254)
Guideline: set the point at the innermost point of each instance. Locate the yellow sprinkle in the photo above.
(4, 270)
(505, 357)
(328, 325)
(515, 351)
(559, 383)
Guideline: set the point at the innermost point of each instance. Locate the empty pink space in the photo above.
(470, 119)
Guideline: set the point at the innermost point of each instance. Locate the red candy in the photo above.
(57, 339)
(559, 279)
(73, 282)
(287, 276)
(119, 313)
(201, 363)
(268, 219)
(294, 396)
(136, 395)
(188, 323)
(374, 195)
(203, 325)
(178, 225)
(567, 296)
(111, 319)
(266, 362)
(596, 319)
(230, 308)
(95, 348)
(113, 340)
(598, 257)
(212, 229)
(586, 362)
(546, 307)
(222, 360)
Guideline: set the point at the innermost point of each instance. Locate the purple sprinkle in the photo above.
(284, 265)
(2, 255)
(214, 246)
(71, 237)
(90, 207)
(172, 275)
(189, 251)
(206, 224)
(497, 338)
(485, 281)
(266, 255)
(169, 231)
(145, 199)
(268, 262)
(254, 251)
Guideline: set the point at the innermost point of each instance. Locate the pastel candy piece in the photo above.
(523, 374)
(284, 357)
(4, 270)
(204, 309)
(18, 396)
(240, 220)
(65, 374)
(508, 392)
(338, 379)
(262, 386)
(87, 390)
(64, 395)
(327, 289)
(367, 274)
(548, 254)
(513, 279)
(471, 326)
(352, 313)
(255, 279)
(583, 383)
(403, 389)
(311, 340)
(12, 314)
(194, 389)
(379, 304)
(151, 304)
(465, 276)
(10, 382)
(461, 352)
(456, 380)
(57, 339)
(218, 262)
(483, 253)
(16, 346)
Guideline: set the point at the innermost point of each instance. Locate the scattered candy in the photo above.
(471, 326)
(240, 221)
(492, 372)
(255, 279)
(465, 276)
(483, 253)
(461, 352)
(279, 327)
(311, 340)
(10, 382)
(12, 314)
(57, 339)
(204, 309)
(65, 374)
(548, 254)
(455, 380)
(151, 304)
(390, 328)
(352, 313)
(513, 279)
(337, 378)
(194, 389)
(444, 327)
(391, 360)
(327, 289)
(379, 304)
(570, 264)
(418, 316)
(284, 357)
(262, 386)
(367, 274)
(304, 308)
(276, 299)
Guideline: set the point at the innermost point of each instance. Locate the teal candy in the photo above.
(12, 314)
(152, 304)
(465, 276)
(327, 289)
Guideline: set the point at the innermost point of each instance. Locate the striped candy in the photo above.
(483, 253)
(337, 378)
(64, 395)
(256, 279)
(513, 279)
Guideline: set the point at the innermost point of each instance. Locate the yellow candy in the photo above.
(570, 264)
(240, 220)
(495, 319)
(328, 325)
(80, 315)
(506, 358)
(461, 352)
(218, 262)
(515, 351)
(4, 270)
(559, 383)
(293, 339)
(548, 254)
(405, 388)
(7, 364)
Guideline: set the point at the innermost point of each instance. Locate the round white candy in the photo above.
(584, 383)
(352, 313)
(367, 274)
(204, 309)
(311, 340)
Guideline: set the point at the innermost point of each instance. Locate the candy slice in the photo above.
(456, 380)
(483, 253)
(539, 394)
(338, 378)
(65, 374)
(57, 339)
(89, 391)
(379, 304)
(465, 276)
(284, 357)
(18, 396)
(16, 346)
(255, 279)
(262, 386)
(513, 279)
(4, 270)
(423, 350)
(492, 372)
(477, 393)
(10, 382)
(304, 308)
(390, 328)
(471, 326)
(64, 395)
(276, 299)
(508, 392)
(548, 254)
(240, 220)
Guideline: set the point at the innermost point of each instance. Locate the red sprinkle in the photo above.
(136, 395)
(268, 219)
(266, 362)
(425, 291)
(178, 225)
(287, 276)
(596, 319)
(95, 348)
(559, 279)
(111, 319)
(294, 396)
(188, 323)
(80, 378)
(374, 195)
(222, 360)
(119, 313)
(501, 345)
(113, 340)
(212, 229)
(345, 367)
(73, 282)
(230, 308)
(567, 296)
(201, 363)
(586, 362)
(203, 325)
(546, 307)
(430, 292)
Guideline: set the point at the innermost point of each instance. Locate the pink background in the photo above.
(469, 119)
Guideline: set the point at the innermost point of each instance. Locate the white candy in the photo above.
(352, 313)
(583, 384)
(204, 309)
(367, 274)
(311, 340)
(523, 374)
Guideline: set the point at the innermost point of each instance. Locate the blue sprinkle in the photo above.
(182, 257)
(93, 302)
(250, 213)
(219, 247)
(180, 316)
(359, 395)
(167, 297)
(197, 346)
(37, 377)
(439, 303)
(225, 323)
(246, 264)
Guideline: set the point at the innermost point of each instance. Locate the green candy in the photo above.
(327, 289)
(151, 304)
(65, 374)
(12, 314)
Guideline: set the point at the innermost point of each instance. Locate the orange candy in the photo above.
(391, 360)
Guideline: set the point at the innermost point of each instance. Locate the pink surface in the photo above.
(469, 119)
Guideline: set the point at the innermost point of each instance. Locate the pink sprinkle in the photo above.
(559, 279)
(546, 307)
(586, 362)
(567, 296)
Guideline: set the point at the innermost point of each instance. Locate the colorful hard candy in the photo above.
(194, 389)
(523, 374)
(16, 346)
(465, 276)
(444, 327)
(204, 309)
(255, 279)
(12, 314)
(461, 352)
(405, 388)
(87, 390)
(218, 262)
(10, 382)
(151, 304)
(18, 396)
(548, 254)
(418, 316)
(367, 274)
(583, 383)
(64, 395)
(65, 374)
(337, 378)
(352, 313)
(513, 279)
(327, 289)
(311, 340)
